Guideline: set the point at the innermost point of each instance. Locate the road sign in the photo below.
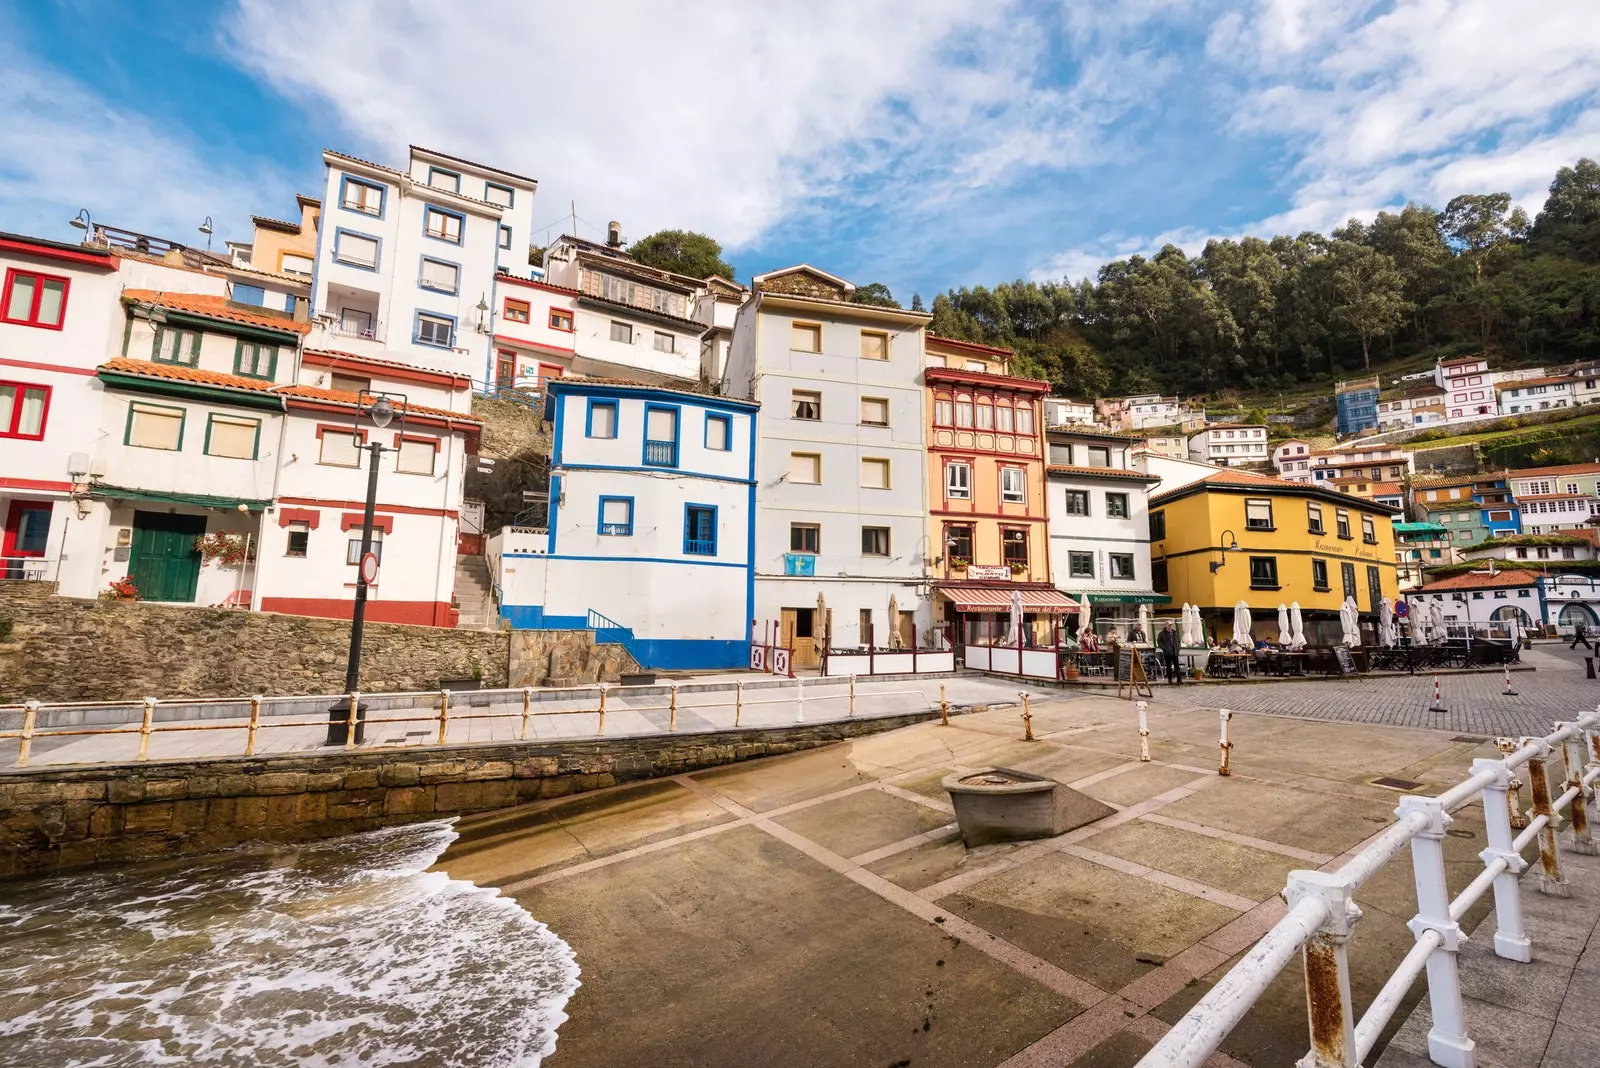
(1402, 609)
(369, 568)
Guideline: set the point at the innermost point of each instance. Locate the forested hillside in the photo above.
(1266, 314)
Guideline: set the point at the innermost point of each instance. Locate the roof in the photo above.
(89, 255)
(1481, 580)
(363, 162)
(1229, 479)
(1553, 497)
(1420, 528)
(644, 313)
(1563, 469)
(1387, 488)
(985, 378)
(333, 358)
(842, 283)
(566, 383)
(1448, 481)
(1101, 472)
(996, 598)
(1515, 540)
(973, 346)
(267, 223)
(1234, 426)
(215, 307)
(339, 396)
(469, 163)
(1518, 383)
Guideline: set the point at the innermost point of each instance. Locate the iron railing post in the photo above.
(444, 714)
(1551, 881)
(1448, 1044)
(255, 725)
(1510, 936)
(527, 710)
(146, 725)
(1327, 966)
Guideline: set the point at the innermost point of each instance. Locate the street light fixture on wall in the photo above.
(380, 409)
(1228, 543)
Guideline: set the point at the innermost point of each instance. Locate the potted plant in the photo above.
(229, 550)
(1018, 567)
(959, 563)
(122, 589)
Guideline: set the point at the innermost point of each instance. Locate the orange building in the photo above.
(986, 491)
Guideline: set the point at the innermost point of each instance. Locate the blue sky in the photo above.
(922, 143)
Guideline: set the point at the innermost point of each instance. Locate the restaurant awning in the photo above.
(998, 599)
(1129, 598)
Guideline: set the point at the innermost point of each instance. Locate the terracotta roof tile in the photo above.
(1481, 580)
(1101, 472)
(339, 396)
(336, 354)
(176, 373)
(215, 307)
(1562, 469)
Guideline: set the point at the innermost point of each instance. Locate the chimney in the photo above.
(613, 234)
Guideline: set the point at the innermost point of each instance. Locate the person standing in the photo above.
(1580, 633)
(1168, 642)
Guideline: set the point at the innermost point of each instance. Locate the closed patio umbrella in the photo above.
(1144, 621)
(1014, 624)
(819, 627)
(1349, 622)
(1185, 626)
(894, 619)
(1385, 622)
(1297, 625)
(1241, 624)
(1285, 631)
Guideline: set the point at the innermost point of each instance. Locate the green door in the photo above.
(164, 564)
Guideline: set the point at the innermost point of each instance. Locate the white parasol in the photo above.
(1386, 636)
(1085, 610)
(1285, 631)
(1185, 635)
(1197, 626)
(1440, 632)
(819, 627)
(1144, 621)
(1348, 623)
(1241, 624)
(1297, 626)
(1014, 623)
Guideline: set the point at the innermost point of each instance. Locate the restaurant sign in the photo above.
(989, 571)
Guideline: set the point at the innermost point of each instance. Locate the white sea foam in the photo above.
(340, 954)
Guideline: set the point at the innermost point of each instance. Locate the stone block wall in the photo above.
(56, 817)
(70, 649)
(565, 658)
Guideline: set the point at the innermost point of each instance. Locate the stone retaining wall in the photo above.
(565, 658)
(57, 817)
(72, 649)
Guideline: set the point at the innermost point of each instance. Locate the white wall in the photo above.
(1099, 533)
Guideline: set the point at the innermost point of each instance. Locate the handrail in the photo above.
(1322, 911)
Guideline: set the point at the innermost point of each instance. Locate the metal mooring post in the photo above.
(350, 721)
(145, 726)
(1144, 731)
(1572, 759)
(444, 714)
(1327, 965)
(799, 700)
(1448, 1044)
(1223, 767)
(852, 694)
(1027, 718)
(1519, 821)
(1510, 937)
(255, 725)
(601, 728)
(30, 719)
(672, 709)
(1551, 881)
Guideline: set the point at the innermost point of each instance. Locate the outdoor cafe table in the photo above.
(1228, 665)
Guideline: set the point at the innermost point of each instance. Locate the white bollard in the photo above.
(1508, 691)
(799, 700)
(1438, 699)
(1144, 731)
(1224, 767)
(1510, 936)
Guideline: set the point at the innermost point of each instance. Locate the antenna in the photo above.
(574, 205)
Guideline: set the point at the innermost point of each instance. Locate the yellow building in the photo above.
(1236, 536)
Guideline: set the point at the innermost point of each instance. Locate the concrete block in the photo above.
(156, 816)
(399, 774)
(165, 789)
(1001, 804)
(361, 779)
(489, 769)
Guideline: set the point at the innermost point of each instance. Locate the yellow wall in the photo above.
(1195, 526)
(268, 246)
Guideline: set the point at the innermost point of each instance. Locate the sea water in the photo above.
(342, 953)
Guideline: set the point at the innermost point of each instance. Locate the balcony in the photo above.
(367, 330)
(621, 530)
(700, 547)
(661, 453)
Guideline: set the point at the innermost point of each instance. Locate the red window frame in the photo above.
(38, 292)
(571, 320)
(525, 311)
(16, 412)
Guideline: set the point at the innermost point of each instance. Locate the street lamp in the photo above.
(205, 228)
(381, 410)
(1228, 543)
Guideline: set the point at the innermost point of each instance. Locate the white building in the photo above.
(1468, 386)
(1064, 411)
(1100, 520)
(1544, 549)
(1536, 394)
(651, 526)
(1569, 600)
(1230, 444)
(1371, 463)
(1148, 410)
(1488, 596)
(1292, 458)
(832, 483)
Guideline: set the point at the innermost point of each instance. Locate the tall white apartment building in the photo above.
(1468, 385)
(841, 501)
(1230, 444)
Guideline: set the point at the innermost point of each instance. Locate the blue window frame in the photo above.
(700, 529)
(442, 224)
(505, 237)
(435, 329)
(601, 420)
(452, 179)
(355, 249)
(441, 276)
(719, 433)
(661, 435)
(616, 517)
(248, 295)
(367, 198)
(507, 198)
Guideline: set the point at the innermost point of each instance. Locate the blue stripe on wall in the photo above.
(661, 654)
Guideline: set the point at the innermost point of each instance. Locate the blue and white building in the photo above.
(651, 534)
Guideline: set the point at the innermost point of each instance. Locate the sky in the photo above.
(926, 144)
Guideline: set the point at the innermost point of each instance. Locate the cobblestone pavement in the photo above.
(1557, 690)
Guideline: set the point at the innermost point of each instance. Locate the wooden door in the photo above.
(906, 627)
(505, 368)
(163, 562)
(796, 632)
(27, 530)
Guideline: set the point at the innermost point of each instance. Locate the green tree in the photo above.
(682, 252)
(875, 293)
(916, 302)
(1569, 224)
(1369, 293)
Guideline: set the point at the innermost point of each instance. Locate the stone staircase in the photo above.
(475, 594)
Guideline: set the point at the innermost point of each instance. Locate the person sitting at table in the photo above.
(1136, 635)
(1263, 646)
(1088, 642)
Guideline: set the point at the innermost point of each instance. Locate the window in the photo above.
(874, 541)
(616, 517)
(874, 346)
(350, 383)
(1080, 565)
(442, 179)
(985, 414)
(1121, 565)
(1013, 488)
(943, 410)
(621, 332)
(362, 196)
(299, 538)
(255, 296)
(864, 623)
(1347, 576)
(1158, 576)
(560, 320)
(1014, 547)
(602, 419)
(1263, 572)
(1076, 502)
(958, 481)
(35, 299)
(1258, 515)
(805, 404)
(958, 541)
(1025, 424)
(664, 342)
(874, 411)
(1002, 418)
(719, 433)
(1061, 455)
(444, 225)
(1099, 455)
(805, 337)
(1319, 575)
(352, 550)
(440, 276)
(1369, 530)
(1117, 505)
(498, 194)
(805, 537)
(505, 237)
(357, 250)
(294, 263)
(805, 468)
(1342, 517)
(415, 456)
(1158, 526)
(660, 436)
(154, 426)
(22, 410)
(517, 311)
(874, 474)
(254, 360)
(176, 346)
(1314, 518)
(435, 330)
(232, 436)
(699, 530)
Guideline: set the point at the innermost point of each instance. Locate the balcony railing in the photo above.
(701, 547)
(616, 529)
(27, 568)
(661, 453)
(368, 332)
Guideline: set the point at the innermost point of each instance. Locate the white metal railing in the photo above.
(1322, 911)
(28, 568)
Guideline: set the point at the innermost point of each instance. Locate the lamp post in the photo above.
(1228, 543)
(206, 228)
(381, 409)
